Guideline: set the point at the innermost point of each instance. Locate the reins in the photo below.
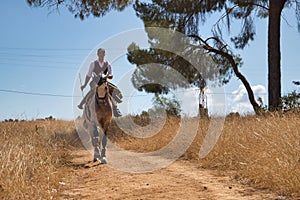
(102, 100)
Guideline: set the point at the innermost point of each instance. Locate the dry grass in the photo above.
(263, 151)
(31, 157)
(157, 141)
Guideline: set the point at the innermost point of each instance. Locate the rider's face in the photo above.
(101, 55)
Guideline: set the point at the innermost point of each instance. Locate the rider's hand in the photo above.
(109, 76)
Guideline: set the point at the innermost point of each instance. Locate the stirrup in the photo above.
(117, 112)
(117, 99)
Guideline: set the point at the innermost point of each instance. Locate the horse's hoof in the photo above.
(103, 160)
(97, 160)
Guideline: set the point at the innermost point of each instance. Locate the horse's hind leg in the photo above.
(103, 151)
(95, 141)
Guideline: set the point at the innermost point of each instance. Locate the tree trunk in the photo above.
(274, 56)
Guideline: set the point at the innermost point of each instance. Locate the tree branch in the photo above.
(234, 65)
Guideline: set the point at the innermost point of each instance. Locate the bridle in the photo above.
(102, 100)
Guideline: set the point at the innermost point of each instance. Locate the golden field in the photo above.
(33, 158)
(261, 151)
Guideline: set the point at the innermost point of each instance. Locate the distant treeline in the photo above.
(22, 120)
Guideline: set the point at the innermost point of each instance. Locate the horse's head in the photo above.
(102, 88)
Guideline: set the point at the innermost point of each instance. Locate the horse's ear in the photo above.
(100, 81)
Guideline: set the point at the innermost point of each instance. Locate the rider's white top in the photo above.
(102, 68)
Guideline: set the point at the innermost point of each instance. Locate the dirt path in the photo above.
(180, 180)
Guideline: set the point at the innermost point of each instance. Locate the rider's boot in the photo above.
(116, 111)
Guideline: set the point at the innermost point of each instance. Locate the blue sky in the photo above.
(42, 53)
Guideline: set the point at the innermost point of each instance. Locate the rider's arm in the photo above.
(109, 74)
(87, 79)
(88, 76)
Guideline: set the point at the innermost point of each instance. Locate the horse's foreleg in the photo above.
(95, 141)
(103, 151)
